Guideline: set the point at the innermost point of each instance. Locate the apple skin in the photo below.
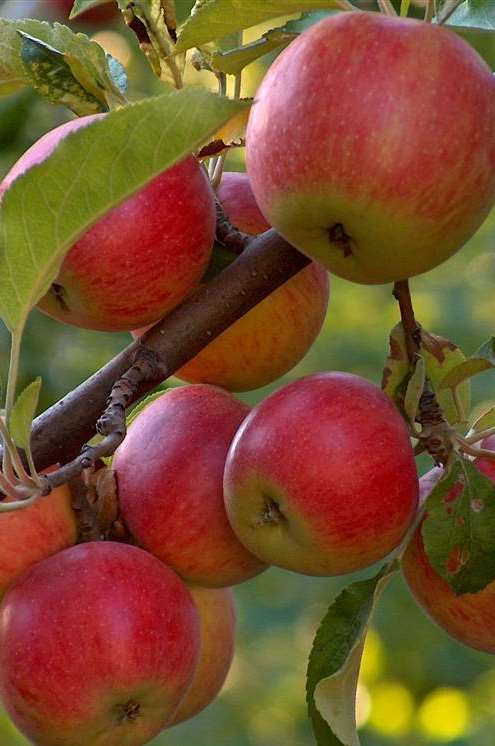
(468, 618)
(217, 622)
(89, 634)
(344, 152)
(95, 16)
(142, 258)
(34, 533)
(274, 335)
(320, 478)
(169, 473)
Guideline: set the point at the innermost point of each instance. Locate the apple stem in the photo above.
(429, 11)
(411, 327)
(387, 8)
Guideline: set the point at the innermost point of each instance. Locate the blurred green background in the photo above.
(417, 686)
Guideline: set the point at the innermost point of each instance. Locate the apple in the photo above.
(142, 258)
(274, 335)
(320, 478)
(367, 159)
(169, 472)
(98, 645)
(468, 618)
(34, 533)
(98, 15)
(217, 623)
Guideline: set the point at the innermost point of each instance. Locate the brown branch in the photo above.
(61, 431)
(412, 330)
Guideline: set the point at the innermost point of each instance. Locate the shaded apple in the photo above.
(34, 533)
(142, 258)
(344, 150)
(97, 16)
(217, 621)
(320, 478)
(274, 335)
(468, 618)
(98, 645)
(169, 473)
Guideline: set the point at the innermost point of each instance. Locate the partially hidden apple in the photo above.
(142, 258)
(169, 472)
(34, 533)
(97, 16)
(320, 478)
(468, 618)
(344, 150)
(98, 645)
(276, 334)
(217, 622)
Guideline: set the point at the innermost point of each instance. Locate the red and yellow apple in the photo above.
(217, 623)
(169, 473)
(142, 258)
(320, 478)
(468, 618)
(274, 335)
(98, 645)
(34, 533)
(366, 158)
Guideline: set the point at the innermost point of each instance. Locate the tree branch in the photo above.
(269, 261)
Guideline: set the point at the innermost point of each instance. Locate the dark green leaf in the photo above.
(51, 76)
(335, 660)
(42, 213)
(459, 528)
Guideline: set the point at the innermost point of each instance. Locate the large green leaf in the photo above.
(459, 528)
(335, 659)
(22, 414)
(214, 19)
(99, 75)
(91, 171)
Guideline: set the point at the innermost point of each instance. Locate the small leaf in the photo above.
(486, 421)
(51, 76)
(414, 390)
(22, 414)
(42, 213)
(483, 359)
(440, 356)
(81, 6)
(459, 528)
(335, 659)
(214, 19)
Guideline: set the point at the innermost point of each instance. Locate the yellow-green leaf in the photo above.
(22, 414)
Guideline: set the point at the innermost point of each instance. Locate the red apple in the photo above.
(34, 533)
(320, 478)
(142, 258)
(468, 618)
(169, 473)
(101, 14)
(217, 621)
(276, 334)
(98, 645)
(367, 158)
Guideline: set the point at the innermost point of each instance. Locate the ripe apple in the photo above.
(142, 258)
(34, 533)
(98, 645)
(217, 622)
(320, 477)
(367, 159)
(276, 334)
(467, 618)
(169, 472)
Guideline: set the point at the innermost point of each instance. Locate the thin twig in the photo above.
(227, 234)
(480, 435)
(429, 11)
(411, 327)
(387, 8)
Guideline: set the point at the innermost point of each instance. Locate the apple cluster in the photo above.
(110, 642)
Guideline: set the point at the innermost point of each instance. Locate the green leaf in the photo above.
(214, 19)
(477, 14)
(81, 6)
(88, 62)
(22, 414)
(483, 359)
(42, 214)
(485, 421)
(335, 660)
(235, 60)
(440, 356)
(414, 390)
(459, 528)
(51, 76)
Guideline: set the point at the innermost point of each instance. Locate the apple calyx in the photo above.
(129, 712)
(58, 292)
(338, 236)
(271, 514)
